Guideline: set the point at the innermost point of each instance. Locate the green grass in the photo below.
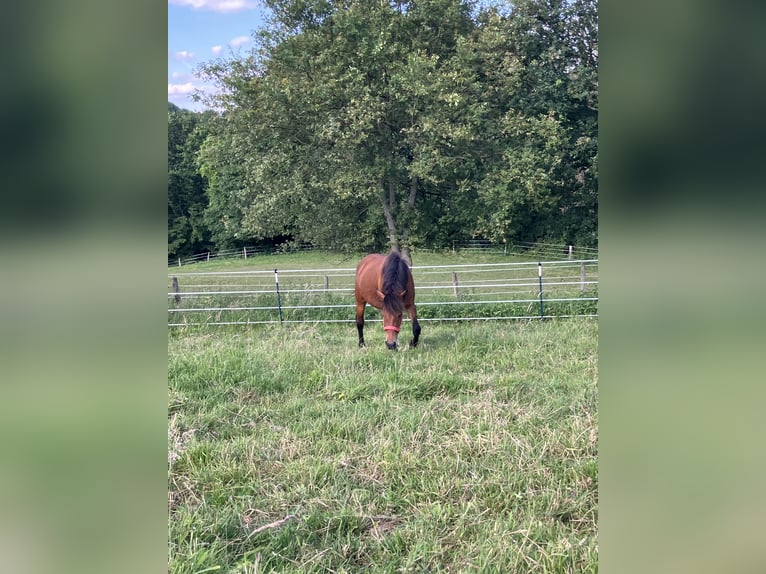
(291, 450)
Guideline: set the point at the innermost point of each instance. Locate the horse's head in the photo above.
(392, 310)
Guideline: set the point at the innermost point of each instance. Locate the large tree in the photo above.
(357, 119)
(372, 124)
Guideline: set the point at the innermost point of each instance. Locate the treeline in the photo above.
(366, 124)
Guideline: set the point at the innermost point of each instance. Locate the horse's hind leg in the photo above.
(415, 326)
(360, 322)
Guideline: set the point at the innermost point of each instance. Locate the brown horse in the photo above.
(385, 282)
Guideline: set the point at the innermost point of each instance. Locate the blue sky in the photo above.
(203, 30)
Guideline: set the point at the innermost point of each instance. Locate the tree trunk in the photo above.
(406, 255)
(388, 205)
(388, 201)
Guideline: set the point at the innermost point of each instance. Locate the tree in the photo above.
(361, 124)
(187, 200)
(543, 180)
(354, 116)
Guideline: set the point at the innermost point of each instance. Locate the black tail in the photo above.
(395, 274)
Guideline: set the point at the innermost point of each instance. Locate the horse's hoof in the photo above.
(413, 344)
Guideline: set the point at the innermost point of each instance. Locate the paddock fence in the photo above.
(533, 251)
(481, 291)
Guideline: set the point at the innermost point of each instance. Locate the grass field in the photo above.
(292, 450)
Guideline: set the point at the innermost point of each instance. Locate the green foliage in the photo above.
(367, 124)
(346, 120)
(187, 200)
(545, 93)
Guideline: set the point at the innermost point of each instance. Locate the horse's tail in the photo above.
(395, 275)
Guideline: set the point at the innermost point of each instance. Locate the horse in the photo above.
(385, 282)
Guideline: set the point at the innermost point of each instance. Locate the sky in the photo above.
(201, 31)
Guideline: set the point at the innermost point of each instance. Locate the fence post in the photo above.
(455, 285)
(582, 276)
(179, 261)
(244, 250)
(540, 276)
(326, 282)
(279, 299)
(176, 290)
(571, 249)
(208, 255)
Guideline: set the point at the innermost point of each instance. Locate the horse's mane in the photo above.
(395, 274)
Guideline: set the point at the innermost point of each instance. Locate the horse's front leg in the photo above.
(360, 322)
(415, 326)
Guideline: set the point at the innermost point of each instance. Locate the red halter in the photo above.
(391, 328)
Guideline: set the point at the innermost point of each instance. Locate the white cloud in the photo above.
(238, 41)
(216, 50)
(177, 89)
(217, 5)
(182, 95)
(184, 55)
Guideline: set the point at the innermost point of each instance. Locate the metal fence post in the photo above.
(540, 276)
(279, 299)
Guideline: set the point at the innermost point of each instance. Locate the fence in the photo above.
(536, 251)
(486, 291)
(550, 251)
(239, 253)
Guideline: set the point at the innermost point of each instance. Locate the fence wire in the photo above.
(482, 291)
(533, 250)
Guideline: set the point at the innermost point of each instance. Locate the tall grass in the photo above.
(291, 450)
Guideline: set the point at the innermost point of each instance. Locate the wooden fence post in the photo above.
(176, 290)
(244, 250)
(326, 282)
(455, 285)
(571, 249)
(582, 276)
